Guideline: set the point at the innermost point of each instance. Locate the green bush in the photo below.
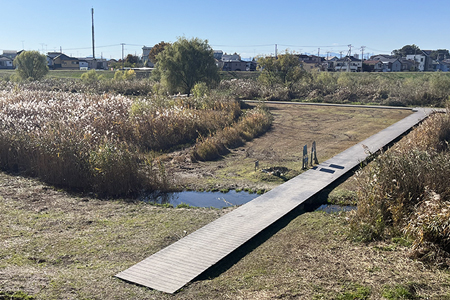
(91, 76)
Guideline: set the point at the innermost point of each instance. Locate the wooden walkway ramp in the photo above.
(174, 266)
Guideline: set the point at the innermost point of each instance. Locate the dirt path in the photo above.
(333, 128)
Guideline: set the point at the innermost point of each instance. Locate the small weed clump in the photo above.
(400, 291)
(405, 191)
(15, 296)
(355, 291)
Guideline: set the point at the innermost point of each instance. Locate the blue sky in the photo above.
(248, 27)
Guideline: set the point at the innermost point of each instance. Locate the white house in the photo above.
(145, 52)
(348, 64)
(84, 65)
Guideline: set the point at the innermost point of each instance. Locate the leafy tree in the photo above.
(284, 69)
(131, 60)
(186, 63)
(31, 65)
(406, 50)
(158, 48)
(440, 54)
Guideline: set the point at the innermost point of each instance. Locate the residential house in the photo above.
(11, 54)
(218, 54)
(96, 64)
(6, 62)
(330, 63)
(391, 65)
(144, 58)
(251, 65)
(425, 63)
(84, 65)
(311, 62)
(50, 57)
(408, 65)
(233, 63)
(373, 66)
(65, 62)
(381, 57)
(348, 64)
(443, 66)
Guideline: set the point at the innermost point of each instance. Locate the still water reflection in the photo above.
(201, 199)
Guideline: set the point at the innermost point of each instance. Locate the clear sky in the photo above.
(248, 27)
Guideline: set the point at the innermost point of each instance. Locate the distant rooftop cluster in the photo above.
(421, 61)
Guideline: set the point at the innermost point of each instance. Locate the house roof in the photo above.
(389, 60)
(4, 58)
(65, 57)
(372, 62)
(347, 58)
(53, 54)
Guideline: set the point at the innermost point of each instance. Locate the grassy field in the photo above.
(56, 245)
(333, 128)
(60, 246)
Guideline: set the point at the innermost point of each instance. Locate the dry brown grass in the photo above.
(400, 89)
(101, 143)
(56, 246)
(406, 191)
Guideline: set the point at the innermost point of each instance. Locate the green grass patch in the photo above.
(355, 291)
(400, 291)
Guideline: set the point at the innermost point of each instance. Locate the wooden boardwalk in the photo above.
(174, 266)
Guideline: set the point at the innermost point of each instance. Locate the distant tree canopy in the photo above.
(440, 54)
(158, 48)
(186, 63)
(131, 59)
(406, 50)
(31, 65)
(284, 69)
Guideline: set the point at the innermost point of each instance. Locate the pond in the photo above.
(220, 200)
(201, 199)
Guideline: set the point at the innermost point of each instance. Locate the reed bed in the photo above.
(101, 142)
(136, 87)
(406, 192)
(399, 89)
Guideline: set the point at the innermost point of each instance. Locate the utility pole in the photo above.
(362, 57)
(349, 50)
(93, 39)
(276, 51)
(123, 44)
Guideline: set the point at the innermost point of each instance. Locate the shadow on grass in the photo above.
(308, 206)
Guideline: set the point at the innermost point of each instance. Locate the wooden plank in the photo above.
(174, 266)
